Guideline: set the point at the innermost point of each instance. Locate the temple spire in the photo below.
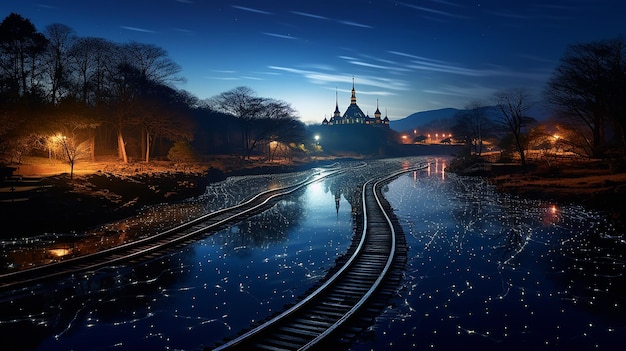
(337, 112)
(353, 98)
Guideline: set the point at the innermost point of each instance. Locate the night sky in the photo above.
(409, 55)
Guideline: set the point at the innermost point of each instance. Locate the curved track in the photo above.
(335, 313)
(155, 245)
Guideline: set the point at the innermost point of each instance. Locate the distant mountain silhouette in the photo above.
(418, 119)
(446, 116)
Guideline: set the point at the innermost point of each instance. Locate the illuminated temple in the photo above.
(354, 114)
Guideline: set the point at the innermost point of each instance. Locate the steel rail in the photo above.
(335, 277)
(169, 233)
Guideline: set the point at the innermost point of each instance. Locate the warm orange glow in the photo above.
(60, 252)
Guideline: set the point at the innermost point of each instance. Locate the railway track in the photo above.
(158, 244)
(334, 314)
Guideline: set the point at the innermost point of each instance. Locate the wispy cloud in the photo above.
(306, 14)
(282, 36)
(136, 29)
(432, 65)
(249, 9)
(183, 30)
(371, 65)
(462, 91)
(449, 3)
(321, 67)
(355, 24)
(433, 11)
(232, 75)
(348, 23)
(325, 78)
(251, 78)
(222, 78)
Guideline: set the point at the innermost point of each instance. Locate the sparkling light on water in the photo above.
(199, 295)
(491, 272)
(485, 271)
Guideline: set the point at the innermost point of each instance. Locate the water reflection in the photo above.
(193, 297)
(22, 253)
(485, 271)
(492, 272)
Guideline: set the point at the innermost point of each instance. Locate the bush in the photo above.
(182, 152)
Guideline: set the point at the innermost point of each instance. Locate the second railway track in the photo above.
(145, 248)
(346, 303)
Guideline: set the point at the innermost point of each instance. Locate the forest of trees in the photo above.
(75, 97)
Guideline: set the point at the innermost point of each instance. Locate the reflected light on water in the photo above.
(440, 167)
(315, 192)
(494, 272)
(443, 170)
(550, 216)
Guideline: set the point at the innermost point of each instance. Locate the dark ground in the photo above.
(62, 205)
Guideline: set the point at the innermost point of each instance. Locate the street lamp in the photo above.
(317, 139)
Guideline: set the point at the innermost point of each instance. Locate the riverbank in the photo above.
(105, 191)
(593, 184)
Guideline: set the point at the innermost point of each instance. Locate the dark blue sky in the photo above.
(410, 55)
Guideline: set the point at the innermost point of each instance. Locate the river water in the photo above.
(485, 271)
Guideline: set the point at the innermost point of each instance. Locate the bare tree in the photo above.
(242, 103)
(60, 38)
(69, 146)
(474, 125)
(588, 89)
(513, 104)
(163, 112)
(152, 62)
(90, 61)
(140, 66)
(261, 119)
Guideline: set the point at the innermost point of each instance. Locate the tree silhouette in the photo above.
(588, 89)
(260, 119)
(21, 53)
(474, 126)
(60, 40)
(513, 104)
